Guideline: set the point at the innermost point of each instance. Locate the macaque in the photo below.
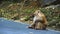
(39, 20)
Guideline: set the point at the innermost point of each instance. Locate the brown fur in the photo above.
(41, 22)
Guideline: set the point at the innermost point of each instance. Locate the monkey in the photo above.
(39, 21)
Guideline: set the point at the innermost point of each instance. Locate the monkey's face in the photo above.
(35, 14)
(31, 16)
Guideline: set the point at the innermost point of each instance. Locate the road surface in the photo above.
(11, 27)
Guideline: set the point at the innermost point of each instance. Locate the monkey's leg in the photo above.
(44, 27)
(32, 26)
(38, 26)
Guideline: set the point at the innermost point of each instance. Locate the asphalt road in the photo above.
(11, 27)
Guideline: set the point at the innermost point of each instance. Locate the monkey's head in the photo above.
(35, 13)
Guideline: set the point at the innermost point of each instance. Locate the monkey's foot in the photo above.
(44, 29)
(37, 28)
(31, 27)
(40, 28)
